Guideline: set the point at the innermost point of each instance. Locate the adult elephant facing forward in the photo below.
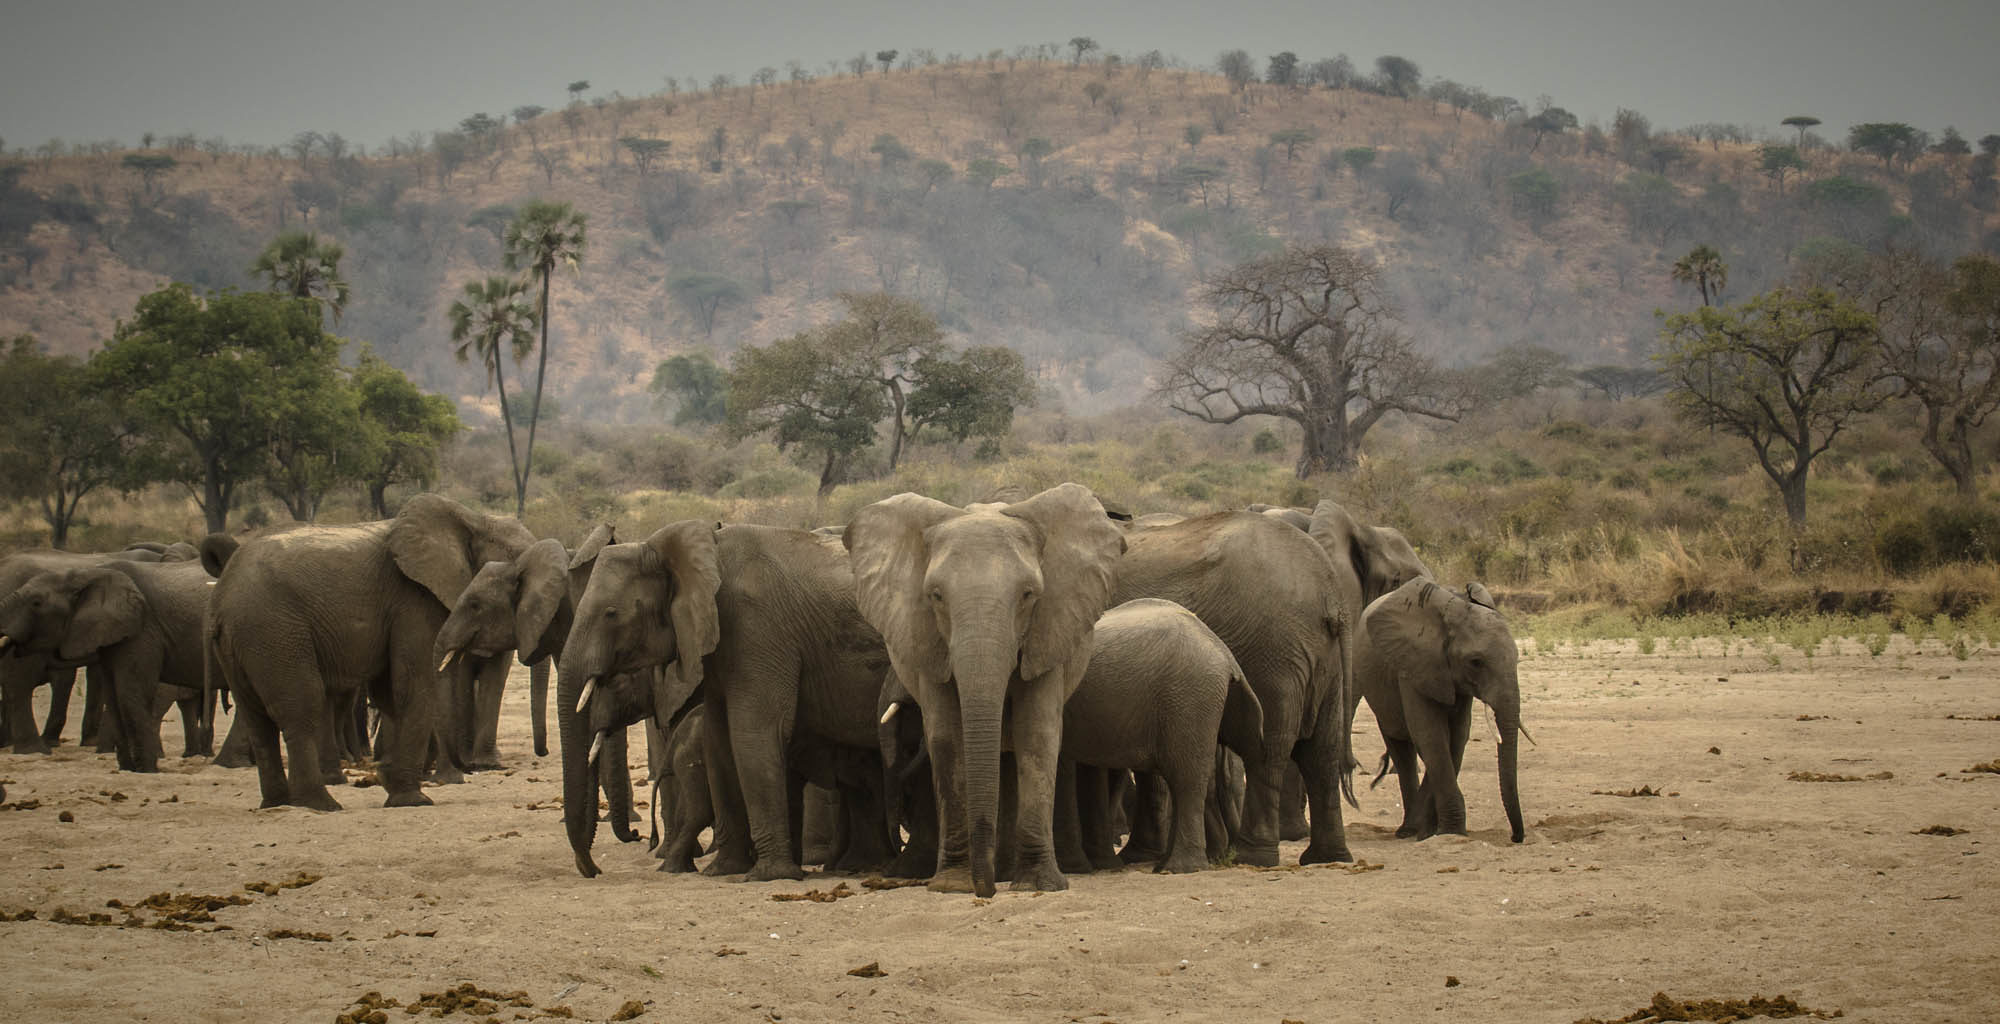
(302, 619)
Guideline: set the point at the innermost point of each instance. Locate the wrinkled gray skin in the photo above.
(1160, 691)
(21, 672)
(1426, 653)
(988, 613)
(1368, 561)
(681, 797)
(140, 624)
(759, 623)
(1273, 597)
(525, 607)
(300, 620)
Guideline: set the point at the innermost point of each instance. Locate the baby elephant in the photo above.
(680, 794)
(1160, 690)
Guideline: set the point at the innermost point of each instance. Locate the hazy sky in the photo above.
(262, 70)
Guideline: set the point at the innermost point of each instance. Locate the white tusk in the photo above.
(1524, 735)
(894, 706)
(448, 659)
(4, 641)
(596, 745)
(589, 687)
(210, 583)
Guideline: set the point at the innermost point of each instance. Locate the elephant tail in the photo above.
(1381, 771)
(1242, 715)
(1341, 629)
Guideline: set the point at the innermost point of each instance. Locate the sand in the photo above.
(1736, 881)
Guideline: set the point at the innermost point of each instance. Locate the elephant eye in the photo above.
(936, 595)
(1027, 594)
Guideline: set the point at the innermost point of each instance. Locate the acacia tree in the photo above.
(1941, 342)
(298, 264)
(698, 387)
(407, 427)
(1802, 122)
(881, 342)
(490, 319)
(1786, 371)
(61, 439)
(1307, 335)
(969, 394)
(795, 389)
(1703, 268)
(1885, 140)
(545, 235)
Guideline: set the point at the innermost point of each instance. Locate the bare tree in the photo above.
(1307, 335)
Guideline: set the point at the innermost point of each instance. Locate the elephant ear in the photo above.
(431, 540)
(542, 584)
(1479, 595)
(1406, 628)
(885, 544)
(686, 552)
(586, 552)
(108, 609)
(1338, 533)
(1080, 552)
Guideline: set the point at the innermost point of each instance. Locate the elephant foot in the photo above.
(407, 798)
(55, 740)
(321, 801)
(912, 863)
(682, 865)
(1409, 831)
(1327, 853)
(35, 745)
(234, 760)
(1182, 864)
(487, 760)
(727, 863)
(279, 799)
(1106, 862)
(1042, 877)
(142, 768)
(1135, 854)
(772, 869)
(448, 776)
(957, 878)
(1292, 830)
(1077, 863)
(1257, 855)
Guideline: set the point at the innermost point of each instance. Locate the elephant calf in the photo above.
(681, 797)
(1160, 690)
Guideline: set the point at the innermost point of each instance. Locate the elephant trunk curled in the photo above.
(579, 774)
(982, 669)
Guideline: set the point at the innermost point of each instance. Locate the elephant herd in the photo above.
(994, 692)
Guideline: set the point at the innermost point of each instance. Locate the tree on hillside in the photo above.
(211, 375)
(697, 386)
(1308, 335)
(1397, 76)
(1786, 371)
(796, 390)
(1951, 144)
(1621, 382)
(1079, 46)
(1941, 341)
(1550, 121)
(545, 235)
(705, 293)
(969, 394)
(61, 440)
(149, 167)
(298, 264)
(1886, 140)
(1291, 139)
(406, 428)
(1802, 122)
(1778, 161)
(527, 112)
(494, 322)
(644, 151)
(1094, 90)
(885, 58)
(1282, 69)
(1703, 268)
(890, 149)
(577, 88)
(1237, 67)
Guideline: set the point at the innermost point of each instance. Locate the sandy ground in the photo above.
(1736, 881)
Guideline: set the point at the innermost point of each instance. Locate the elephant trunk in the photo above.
(983, 670)
(1507, 719)
(579, 775)
(538, 704)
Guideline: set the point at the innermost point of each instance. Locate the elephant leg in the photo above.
(614, 777)
(1006, 840)
(1263, 782)
(1070, 845)
(538, 704)
(1187, 845)
(1432, 730)
(194, 739)
(869, 845)
(237, 750)
(920, 850)
(328, 739)
(954, 846)
(760, 738)
(1148, 841)
(18, 679)
(61, 683)
(1038, 713)
(411, 717)
(1120, 805)
(352, 729)
(1318, 760)
(135, 703)
(795, 815)
(489, 689)
(1409, 780)
(98, 709)
(822, 808)
(693, 810)
(734, 855)
(1292, 824)
(260, 738)
(1093, 811)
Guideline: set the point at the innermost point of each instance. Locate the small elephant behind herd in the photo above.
(975, 694)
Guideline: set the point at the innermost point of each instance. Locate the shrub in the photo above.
(1902, 547)
(1267, 442)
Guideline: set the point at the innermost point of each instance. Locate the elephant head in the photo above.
(649, 605)
(71, 614)
(520, 605)
(1444, 645)
(1380, 557)
(977, 598)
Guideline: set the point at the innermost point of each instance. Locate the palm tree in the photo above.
(1703, 268)
(543, 234)
(299, 264)
(491, 315)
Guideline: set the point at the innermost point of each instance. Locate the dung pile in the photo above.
(1723, 1011)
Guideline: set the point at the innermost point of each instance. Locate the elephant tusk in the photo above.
(4, 641)
(1524, 734)
(449, 658)
(210, 583)
(894, 706)
(596, 746)
(583, 699)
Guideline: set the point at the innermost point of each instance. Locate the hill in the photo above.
(1065, 210)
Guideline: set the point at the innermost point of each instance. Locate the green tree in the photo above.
(1080, 45)
(1282, 69)
(969, 394)
(890, 149)
(880, 342)
(1886, 140)
(885, 58)
(149, 167)
(1941, 340)
(1032, 153)
(1308, 335)
(1095, 90)
(317, 441)
(1703, 268)
(1802, 122)
(493, 321)
(1551, 121)
(1237, 67)
(1398, 76)
(984, 171)
(407, 429)
(1952, 144)
(644, 151)
(298, 264)
(1786, 371)
(797, 389)
(577, 88)
(705, 293)
(545, 235)
(1535, 192)
(212, 376)
(1291, 139)
(697, 386)
(61, 439)
(1778, 161)
(1358, 157)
